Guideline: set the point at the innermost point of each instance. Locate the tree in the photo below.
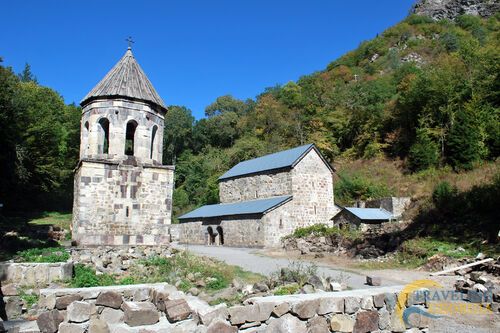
(425, 152)
(26, 75)
(178, 132)
(464, 142)
(224, 104)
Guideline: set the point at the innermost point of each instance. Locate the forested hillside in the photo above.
(424, 94)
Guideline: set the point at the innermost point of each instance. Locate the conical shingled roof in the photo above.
(126, 79)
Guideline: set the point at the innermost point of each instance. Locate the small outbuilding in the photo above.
(362, 218)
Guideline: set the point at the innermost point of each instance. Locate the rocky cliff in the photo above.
(450, 9)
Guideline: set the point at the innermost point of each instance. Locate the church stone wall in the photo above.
(312, 189)
(122, 203)
(259, 186)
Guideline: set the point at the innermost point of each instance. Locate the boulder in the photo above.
(384, 318)
(240, 314)
(330, 304)
(341, 323)
(307, 289)
(48, 322)
(281, 309)
(158, 298)
(306, 309)
(109, 299)
(316, 282)
(177, 310)
(72, 328)
(335, 286)
(367, 303)
(208, 315)
(63, 301)
(140, 313)
(221, 326)
(112, 316)
(13, 307)
(379, 300)
(141, 295)
(261, 287)
(373, 280)
(352, 304)
(98, 326)
(317, 324)
(9, 289)
(366, 321)
(79, 312)
(286, 324)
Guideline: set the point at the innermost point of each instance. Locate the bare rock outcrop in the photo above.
(450, 9)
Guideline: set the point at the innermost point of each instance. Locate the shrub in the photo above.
(324, 230)
(418, 19)
(50, 254)
(443, 194)
(356, 187)
(86, 277)
(288, 289)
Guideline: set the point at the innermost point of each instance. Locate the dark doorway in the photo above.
(221, 235)
(211, 236)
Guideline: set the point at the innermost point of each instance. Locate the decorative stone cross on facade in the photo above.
(130, 41)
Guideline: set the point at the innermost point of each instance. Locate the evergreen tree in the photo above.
(26, 75)
(464, 142)
(424, 153)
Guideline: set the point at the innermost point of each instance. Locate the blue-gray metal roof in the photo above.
(279, 160)
(260, 206)
(370, 213)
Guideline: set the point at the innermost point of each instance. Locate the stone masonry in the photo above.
(309, 182)
(122, 192)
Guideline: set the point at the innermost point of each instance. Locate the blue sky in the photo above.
(192, 51)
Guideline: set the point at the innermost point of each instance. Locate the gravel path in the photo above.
(258, 263)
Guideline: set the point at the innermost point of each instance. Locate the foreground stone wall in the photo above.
(122, 203)
(161, 308)
(35, 274)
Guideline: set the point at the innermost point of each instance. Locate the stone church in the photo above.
(122, 191)
(264, 199)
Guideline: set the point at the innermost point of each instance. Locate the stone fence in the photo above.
(35, 274)
(161, 308)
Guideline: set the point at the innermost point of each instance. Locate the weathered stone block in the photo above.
(220, 326)
(63, 301)
(112, 316)
(306, 309)
(366, 321)
(286, 323)
(79, 312)
(373, 280)
(110, 299)
(140, 313)
(318, 324)
(342, 323)
(72, 328)
(367, 303)
(48, 322)
(98, 326)
(352, 304)
(281, 309)
(177, 310)
(206, 316)
(330, 305)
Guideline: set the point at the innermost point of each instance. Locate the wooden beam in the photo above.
(463, 266)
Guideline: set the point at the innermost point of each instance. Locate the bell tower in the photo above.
(123, 192)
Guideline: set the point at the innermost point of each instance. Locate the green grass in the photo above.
(86, 276)
(62, 220)
(288, 289)
(29, 299)
(50, 254)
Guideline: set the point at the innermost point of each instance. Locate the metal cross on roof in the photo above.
(130, 41)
